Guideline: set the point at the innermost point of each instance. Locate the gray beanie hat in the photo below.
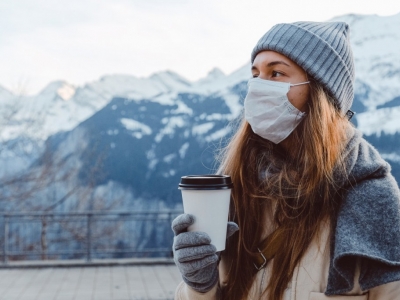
(321, 49)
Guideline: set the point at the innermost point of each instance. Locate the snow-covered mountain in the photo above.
(165, 106)
(376, 47)
(146, 146)
(61, 106)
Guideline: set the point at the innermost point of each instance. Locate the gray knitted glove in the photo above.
(195, 257)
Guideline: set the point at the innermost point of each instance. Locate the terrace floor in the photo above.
(77, 280)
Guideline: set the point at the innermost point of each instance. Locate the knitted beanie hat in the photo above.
(321, 49)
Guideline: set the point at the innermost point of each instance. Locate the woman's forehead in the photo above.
(269, 56)
(269, 59)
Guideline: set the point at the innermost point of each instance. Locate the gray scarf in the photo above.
(368, 224)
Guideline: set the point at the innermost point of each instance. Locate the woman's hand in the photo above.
(194, 255)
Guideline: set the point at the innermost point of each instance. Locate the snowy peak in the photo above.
(216, 81)
(129, 86)
(170, 81)
(213, 75)
(66, 91)
(56, 90)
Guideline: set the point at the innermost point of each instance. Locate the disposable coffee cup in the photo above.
(207, 198)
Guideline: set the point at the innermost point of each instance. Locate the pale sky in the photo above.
(82, 40)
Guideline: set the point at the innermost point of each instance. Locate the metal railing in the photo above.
(87, 235)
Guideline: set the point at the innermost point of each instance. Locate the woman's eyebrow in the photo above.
(278, 62)
(271, 64)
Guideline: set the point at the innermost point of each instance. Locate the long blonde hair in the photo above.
(300, 185)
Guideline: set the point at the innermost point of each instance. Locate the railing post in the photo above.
(5, 245)
(89, 237)
(43, 238)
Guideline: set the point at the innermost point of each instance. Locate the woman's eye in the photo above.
(255, 75)
(276, 74)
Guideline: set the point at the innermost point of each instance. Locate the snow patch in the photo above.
(153, 163)
(169, 173)
(169, 129)
(169, 158)
(202, 128)
(218, 134)
(151, 156)
(182, 109)
(384, 120)
(217, 117)
(233, 102)
(164, 98)
(183, 149)
(133, 125)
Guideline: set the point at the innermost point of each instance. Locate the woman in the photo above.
(317, 207)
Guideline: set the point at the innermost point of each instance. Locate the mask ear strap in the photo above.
(350, 114)
(295, 84)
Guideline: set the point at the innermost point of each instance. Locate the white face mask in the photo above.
(269, 111)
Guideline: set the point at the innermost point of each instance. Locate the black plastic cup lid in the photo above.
(205, 182)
